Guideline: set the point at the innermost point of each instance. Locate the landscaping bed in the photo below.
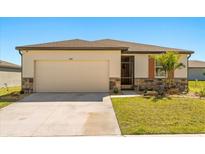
(139, 115)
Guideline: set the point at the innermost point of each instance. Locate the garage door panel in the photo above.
(71, 76)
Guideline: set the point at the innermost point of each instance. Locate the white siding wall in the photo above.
(114, 58)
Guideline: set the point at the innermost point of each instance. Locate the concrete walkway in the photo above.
(32, 117)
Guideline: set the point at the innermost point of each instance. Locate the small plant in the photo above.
(196, 83)
(202, 92)
(145, 91)
(173, 91)
(161, 92)
(6, 86)
(116, 90)
(21, 92)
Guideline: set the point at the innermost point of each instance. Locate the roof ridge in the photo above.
(58, 42)
(105, 43)
(8, 64)
(132, 42)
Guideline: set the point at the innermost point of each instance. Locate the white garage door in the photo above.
(71, 76)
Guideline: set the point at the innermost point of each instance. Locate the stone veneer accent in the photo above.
(27, 85)
(115, 82)
(141, 84)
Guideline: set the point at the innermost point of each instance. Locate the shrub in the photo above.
(145, 90)
(161, 92)
(173, 91)
(202, 92)
(21, 92)
(116, 90)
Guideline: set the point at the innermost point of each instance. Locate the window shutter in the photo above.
(151, 68)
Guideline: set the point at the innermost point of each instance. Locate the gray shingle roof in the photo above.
(100, 44)
(72, 44)
(138, 46)
(4, 64)
(196, 64)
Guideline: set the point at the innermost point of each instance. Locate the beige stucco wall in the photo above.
(141, 66)
(10, 78)
(182, 73)
(113, 56)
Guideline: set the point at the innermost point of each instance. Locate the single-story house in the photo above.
(95, 66)
(196, 70)
(10, 74)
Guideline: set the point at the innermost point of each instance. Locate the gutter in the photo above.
(155, 52)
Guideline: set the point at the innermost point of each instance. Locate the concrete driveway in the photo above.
(60, 114)
(65, 97)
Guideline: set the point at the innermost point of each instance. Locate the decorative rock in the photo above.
(115, 83)
(27, 85)
(142, 84)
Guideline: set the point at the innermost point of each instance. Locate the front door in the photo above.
(127, 72)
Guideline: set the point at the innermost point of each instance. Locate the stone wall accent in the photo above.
(27, 85)
(115, 82)
(180, 84)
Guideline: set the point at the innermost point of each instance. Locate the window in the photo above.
(159, 72)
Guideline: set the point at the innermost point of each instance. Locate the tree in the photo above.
(170, 61)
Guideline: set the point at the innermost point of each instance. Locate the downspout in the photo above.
(21, 69)
(188, 71)
(189, 56)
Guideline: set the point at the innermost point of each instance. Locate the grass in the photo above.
(4, 91)
(3, 104)
(195, 86)
(7, 96)
(139, 115)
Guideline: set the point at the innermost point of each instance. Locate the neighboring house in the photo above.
(10, 74)
(196, 70)
(95, 66)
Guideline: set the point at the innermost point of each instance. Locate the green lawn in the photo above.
(138, 115)
(3, 104)
(9, 96)
(3, 91)
(195, 86)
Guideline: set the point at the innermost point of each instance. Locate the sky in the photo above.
(183, 33)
